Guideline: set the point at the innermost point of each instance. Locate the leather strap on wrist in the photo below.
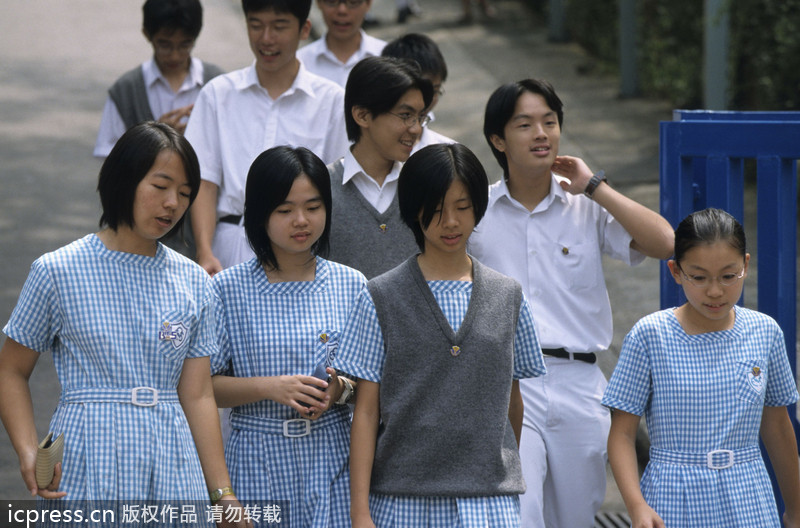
(596, 180)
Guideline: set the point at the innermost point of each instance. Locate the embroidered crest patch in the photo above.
(175, 333)
(756, 380)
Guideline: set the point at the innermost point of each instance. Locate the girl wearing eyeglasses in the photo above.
(708, 376)
(385, 107)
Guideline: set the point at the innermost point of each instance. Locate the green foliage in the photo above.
(764, 48)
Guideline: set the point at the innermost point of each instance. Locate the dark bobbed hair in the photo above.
(420, 48)
(377, 83)
(186, 15)
(707, 227)
(298, 8)
(269, 182)
(426, 177)
(500, 110)
(128, 163)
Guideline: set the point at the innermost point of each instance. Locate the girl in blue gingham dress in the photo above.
(279, 322)
(127, 322)
(708, 376)
(446, 183)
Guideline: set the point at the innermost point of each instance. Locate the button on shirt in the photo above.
(161, 97)
(319, 59)
(555, 252)
(379, 196)
(234, 120)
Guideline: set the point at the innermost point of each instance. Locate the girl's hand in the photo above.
(575, 170)
(644, 516)
(301, 393)
(332, 395)
(362, 521)
(233, 514)
(51, 490)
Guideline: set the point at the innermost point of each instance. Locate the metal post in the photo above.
(557, 22)
(629, 72)
(715, 69)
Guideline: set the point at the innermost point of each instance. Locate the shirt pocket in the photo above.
(174, 335)
(751, 381)
(327, 344)
(574, 259)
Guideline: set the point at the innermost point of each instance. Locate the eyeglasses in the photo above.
(410, 119)
(351, 4)
(438, 91)
(702, 281)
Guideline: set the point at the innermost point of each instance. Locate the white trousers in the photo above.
(230, 245)
(563, 445)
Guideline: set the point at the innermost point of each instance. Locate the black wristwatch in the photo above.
(596, 180)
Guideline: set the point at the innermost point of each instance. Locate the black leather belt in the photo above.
(231, 219)
(586, 357)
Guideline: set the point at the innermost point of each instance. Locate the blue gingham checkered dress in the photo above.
(699, 394)
(275, 329)
(362, 354)
(100, 313)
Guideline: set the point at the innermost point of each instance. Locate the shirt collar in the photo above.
(555, 192)
(303, 81)
(352, 168)
(360, 53)
(151, 73)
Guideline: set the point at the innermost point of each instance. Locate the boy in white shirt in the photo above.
(274, 101)
(344, 43)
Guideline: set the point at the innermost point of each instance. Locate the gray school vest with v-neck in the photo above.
(361, 237)
(129, 94)
(444, 397)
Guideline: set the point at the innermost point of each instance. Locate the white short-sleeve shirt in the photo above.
(555, 252)
(234, 120)
(161, 97)
(319, 59)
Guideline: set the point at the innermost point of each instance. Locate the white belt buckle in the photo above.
(135, 396)
(710, 459)
(306, 432)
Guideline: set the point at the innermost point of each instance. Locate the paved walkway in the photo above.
(58, 58)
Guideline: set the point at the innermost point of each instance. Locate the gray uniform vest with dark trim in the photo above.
(361, 237)
(444, 397)
(129, 94)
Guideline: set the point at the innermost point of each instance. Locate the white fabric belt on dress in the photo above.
(139, 396)
(294, 428)
(716, 459)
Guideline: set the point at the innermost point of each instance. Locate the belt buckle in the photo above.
(710, 459)
(139, 403)
(306, 432)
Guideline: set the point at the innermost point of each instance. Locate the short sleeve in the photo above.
(221, 358)
(362, 353)
(36, 320)
(616, 241)
(528, 361)
(204, 341)
(781, 384)
(630, 386)
(202, 131)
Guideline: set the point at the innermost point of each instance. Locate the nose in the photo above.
(300, 218)
(449, 218)
(714, 288)
(171, 200)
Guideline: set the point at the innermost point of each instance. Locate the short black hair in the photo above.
(377, 83)
(129, 162)
(420, 48)
(299, 8)
(186, 15)
(426, 177)
(500, 110)
(707, 227)
(269, 182)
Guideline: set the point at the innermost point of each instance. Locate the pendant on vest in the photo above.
(455, 350)
(382, 228)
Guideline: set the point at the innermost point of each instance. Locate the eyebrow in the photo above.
(165, 176)
(528, 116)
(315, 199)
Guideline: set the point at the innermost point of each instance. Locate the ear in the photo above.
(498, 142)
(746, 264)
(361, 116)
(675, 271)
(305, 30)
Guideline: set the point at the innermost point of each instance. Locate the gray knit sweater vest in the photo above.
(130, 94)
(444, 396)
(361, 237)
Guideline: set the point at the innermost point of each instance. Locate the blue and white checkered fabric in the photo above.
(362, 354)
(701, 393)
(283, 328)
(121, 320)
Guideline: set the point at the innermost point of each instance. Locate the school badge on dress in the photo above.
(755, 379)
(455, 350)
(175, 333)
